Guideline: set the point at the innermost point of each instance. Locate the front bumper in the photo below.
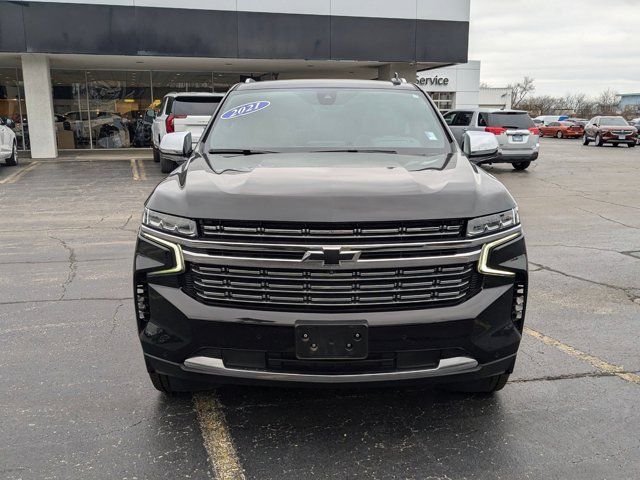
(191, 341)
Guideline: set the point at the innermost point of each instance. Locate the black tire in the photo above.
(167, 166)
(487, 385)
(156, 154)
(559, 134)
(598, 140)
(521, 165)
(585, 140)
(161, 383)
(631, 145)
(12, 161)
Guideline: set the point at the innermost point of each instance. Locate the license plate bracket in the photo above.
(622, 137)
(331, 340)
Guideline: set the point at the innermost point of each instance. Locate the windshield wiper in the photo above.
(356, 150)
(238, 151)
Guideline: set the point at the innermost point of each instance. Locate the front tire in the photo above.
(167, 166)
(559, 134)
(156, 154)
(487, 385)
(585, 139)
(161, 383)
(12, 161)
(631, 145)
(599, 141)
(521, 165)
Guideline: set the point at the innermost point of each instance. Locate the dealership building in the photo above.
(458, 87)
(73, 71)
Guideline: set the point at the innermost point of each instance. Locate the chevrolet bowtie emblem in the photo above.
(331, 256)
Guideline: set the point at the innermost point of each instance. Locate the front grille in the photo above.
(331, 233)
(326, 290)
(621, 132)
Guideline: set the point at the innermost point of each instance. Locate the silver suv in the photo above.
(517, 135)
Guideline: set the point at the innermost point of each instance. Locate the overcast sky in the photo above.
(567, 46)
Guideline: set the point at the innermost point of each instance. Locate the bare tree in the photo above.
(588, 110)
(574, 102)
(607, 102)
(539, 105)
(520, 90)
(630, 112)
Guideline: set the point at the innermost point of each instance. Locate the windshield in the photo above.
(613, 122)
(329, 120)
(195, 105)
(510, 120)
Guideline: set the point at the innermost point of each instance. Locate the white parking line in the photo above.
(217, 440)
(13, 178)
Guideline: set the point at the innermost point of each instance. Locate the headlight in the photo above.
(493, 223)
(169, 223)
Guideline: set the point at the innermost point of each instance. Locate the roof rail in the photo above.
(396, 80)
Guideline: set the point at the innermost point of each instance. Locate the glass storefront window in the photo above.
(12, 104)
(107, 109)
(70, 109)
(117, 102)
(443, 100)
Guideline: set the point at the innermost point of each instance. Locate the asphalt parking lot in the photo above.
(77, 403)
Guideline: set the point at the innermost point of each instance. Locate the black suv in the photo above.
(329, 232)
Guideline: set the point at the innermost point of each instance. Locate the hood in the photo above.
(336, 194)
(609, 128)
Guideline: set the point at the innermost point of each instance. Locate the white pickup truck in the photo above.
(182, 112)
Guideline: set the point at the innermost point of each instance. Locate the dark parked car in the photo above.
(636, 124)
(139, 123)
(612, 130)
(356, 246)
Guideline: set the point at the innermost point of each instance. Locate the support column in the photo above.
(407, 71)
(39, 100)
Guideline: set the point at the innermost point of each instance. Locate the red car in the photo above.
(562, 130)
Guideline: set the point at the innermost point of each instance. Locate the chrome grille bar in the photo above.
(390, 288)
(330, 233)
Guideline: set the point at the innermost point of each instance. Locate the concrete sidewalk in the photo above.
(97, 154)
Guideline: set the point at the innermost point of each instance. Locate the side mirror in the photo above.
(10, 123)
(150, 113)
(176, 144)
(481, 147)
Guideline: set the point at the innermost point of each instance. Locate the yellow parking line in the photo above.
(217, 440)
(601, 365)
(13, 178)
(134, 169)
(141, 169)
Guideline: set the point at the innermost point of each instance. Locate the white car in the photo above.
(8, 143)
(545, 120)
(182, 112)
